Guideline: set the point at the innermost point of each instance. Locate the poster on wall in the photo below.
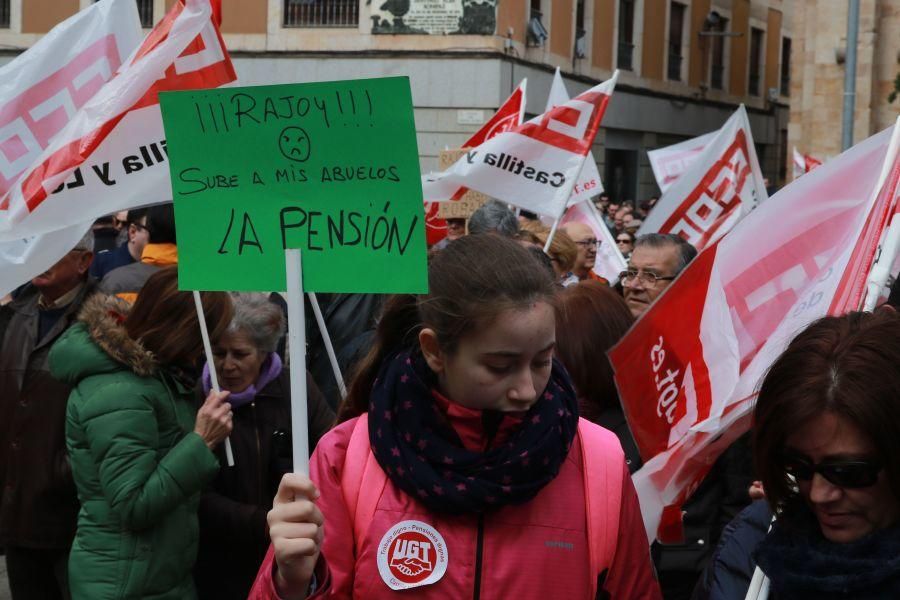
(434, 17)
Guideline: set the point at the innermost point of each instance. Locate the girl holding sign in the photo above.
(460, 467)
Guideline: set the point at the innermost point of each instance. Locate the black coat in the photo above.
(233, 530)
(38, 502)
(719, 498)
(731, 568)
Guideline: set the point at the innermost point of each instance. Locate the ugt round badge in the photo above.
(412, 554)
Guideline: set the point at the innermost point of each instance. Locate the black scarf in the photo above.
(423, 455)
(801, 563)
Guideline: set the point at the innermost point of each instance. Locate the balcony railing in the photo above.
(626, 54)
(674, 72)
(321, 13)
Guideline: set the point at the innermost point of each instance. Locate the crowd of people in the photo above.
(481, 450)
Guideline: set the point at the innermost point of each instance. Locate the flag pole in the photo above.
(890, 244)
(552, 233)
(214, 379)
(297, 358)
(329, 348)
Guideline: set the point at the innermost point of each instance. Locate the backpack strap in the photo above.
(362, 480)
(603, 460)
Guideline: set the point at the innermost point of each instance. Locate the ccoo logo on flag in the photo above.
(571, 126)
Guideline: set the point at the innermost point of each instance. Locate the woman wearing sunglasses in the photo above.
(826, 439)
(625, 243)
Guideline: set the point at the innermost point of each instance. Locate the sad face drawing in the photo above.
(294, 143)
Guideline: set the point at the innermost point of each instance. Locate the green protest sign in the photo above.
(329, 168)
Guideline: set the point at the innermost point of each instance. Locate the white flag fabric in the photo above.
(111, 155)
(510, 115)
(699, 353)
(670, 162)
(609, 262)
(803, 163)
(104, 160)
(718, 189)
(40, 90)
(534, 166)
(588, 184)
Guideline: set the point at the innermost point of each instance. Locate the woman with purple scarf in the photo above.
(233, 529)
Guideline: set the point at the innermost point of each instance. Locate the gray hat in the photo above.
(86, 242)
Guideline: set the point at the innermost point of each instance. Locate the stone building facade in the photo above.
(817, 84)
(685, 65)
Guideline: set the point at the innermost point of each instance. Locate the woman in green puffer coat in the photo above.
(140, 455)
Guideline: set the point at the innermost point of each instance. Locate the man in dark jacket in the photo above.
(129, 252)
(38, 503)
(160, 251)
(723, 494)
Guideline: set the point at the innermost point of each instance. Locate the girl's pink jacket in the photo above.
(532, 551)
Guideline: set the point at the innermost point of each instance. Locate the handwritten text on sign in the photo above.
(330, 168)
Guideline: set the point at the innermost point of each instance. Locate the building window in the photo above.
(321, 13)
(626, 34)
(785, 66)
(676, 38)
(756, 47)
(145, 11)
(4, 14)
(717, 63)
(580, 32)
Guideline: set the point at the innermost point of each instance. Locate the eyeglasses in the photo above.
(625, 241)
(645, 277)
(588, 243)
(139, 227)
(849, 474)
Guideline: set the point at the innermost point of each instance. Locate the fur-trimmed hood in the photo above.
(98, 343)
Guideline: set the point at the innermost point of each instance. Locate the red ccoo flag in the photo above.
(687, 371)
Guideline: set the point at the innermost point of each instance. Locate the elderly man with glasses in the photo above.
(655, 262)
(587, 243)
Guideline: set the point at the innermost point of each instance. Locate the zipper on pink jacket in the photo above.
(479, 556)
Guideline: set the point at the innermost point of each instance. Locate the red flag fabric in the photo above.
(183, 51)
(687, 371)
(721, 185)
(109, 152)
(804, 163)
(536, 165)
(509, 115)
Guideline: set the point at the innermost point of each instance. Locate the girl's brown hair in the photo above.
(165, 320)
(470, 282)
(590, 319)
(848, 366)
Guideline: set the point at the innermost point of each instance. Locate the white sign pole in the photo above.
(297, 358)
(207, 348)
(551, 234)
(329, 348)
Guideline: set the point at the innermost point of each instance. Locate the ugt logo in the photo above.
(411, 557)
(412, 554)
